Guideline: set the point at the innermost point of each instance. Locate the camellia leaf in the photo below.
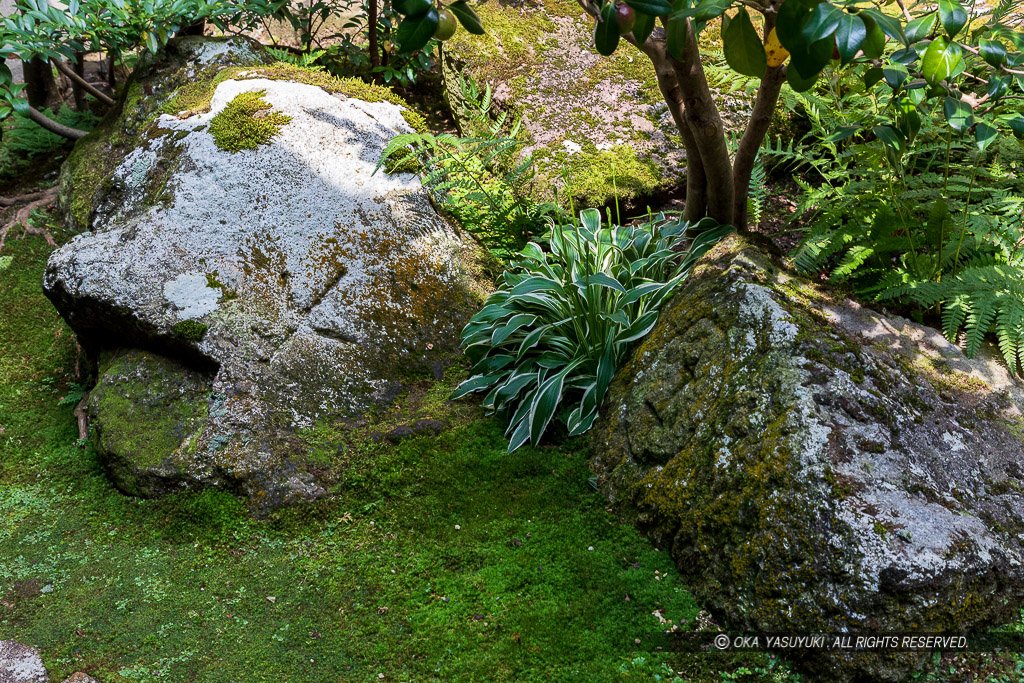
(998, 85)
(467, 17)
(872, 76)
(416, 31)
(1016, 124)
(675, 37)
(985, 135)
(642, 27)
(888, 136)
(797, 82)
(918, 29)
(5, 74)
(850, 35)
(824, 21)
(874, 43)
(792, 16)
(952, 16)
(676, 31)
(654, 8)
(889, 25)
(743, 49)
(606, 31)
(941, 60)
(992, 51)
(959, 115)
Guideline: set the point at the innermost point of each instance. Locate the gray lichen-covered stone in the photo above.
(816, 467)
(268, 287)
(21, 664)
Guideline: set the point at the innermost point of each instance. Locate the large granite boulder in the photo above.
(233, 298)
(817, 467)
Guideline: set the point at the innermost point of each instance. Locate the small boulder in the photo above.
(244, 273)
(21, 664)
(817, 467)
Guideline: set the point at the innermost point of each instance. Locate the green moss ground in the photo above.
(378, 580)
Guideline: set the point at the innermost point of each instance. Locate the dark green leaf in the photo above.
(642, 27)
(416, 31)
(850, 35)
(467, 17)
(997, 86)
(654, 8)
(888, 136)
(798, 82)
(606, 31)
(873, 76)
(891, 26)
(919, 28)
(985, 135)
(952, 16)
(992, 51)
(676, 33)
(958, 114)
(823, 22)
(874, 43)
(842, 133)
(743, 49)
(1016, 124)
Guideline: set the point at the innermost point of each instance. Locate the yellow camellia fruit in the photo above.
(774, 50)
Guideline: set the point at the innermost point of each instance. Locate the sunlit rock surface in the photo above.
(817, 467)
(233, 299)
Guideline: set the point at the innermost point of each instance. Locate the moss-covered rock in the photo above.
(147, 413)
(816, 467)
(600, 119)
(301, 284)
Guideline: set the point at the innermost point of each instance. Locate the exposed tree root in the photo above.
(83, 418)
(35, 200)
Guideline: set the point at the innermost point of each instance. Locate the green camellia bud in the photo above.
(446, 25)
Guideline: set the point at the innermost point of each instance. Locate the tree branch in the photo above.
(55, 126)
(88, 87)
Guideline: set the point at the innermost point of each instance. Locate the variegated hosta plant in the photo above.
(549, 340)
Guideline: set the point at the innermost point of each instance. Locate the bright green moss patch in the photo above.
(378, 580)
(190, 329)
(243, 123)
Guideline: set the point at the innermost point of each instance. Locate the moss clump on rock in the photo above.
(246, 122)
(192, 330)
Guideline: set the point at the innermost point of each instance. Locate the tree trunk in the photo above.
(76, 86)
(716, 185)
(40, 85)
(197, 28)
(371, 26)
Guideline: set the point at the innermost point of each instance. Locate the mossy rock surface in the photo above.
(816, 467)
(601, 119)
(147, 413)
(299, 283)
